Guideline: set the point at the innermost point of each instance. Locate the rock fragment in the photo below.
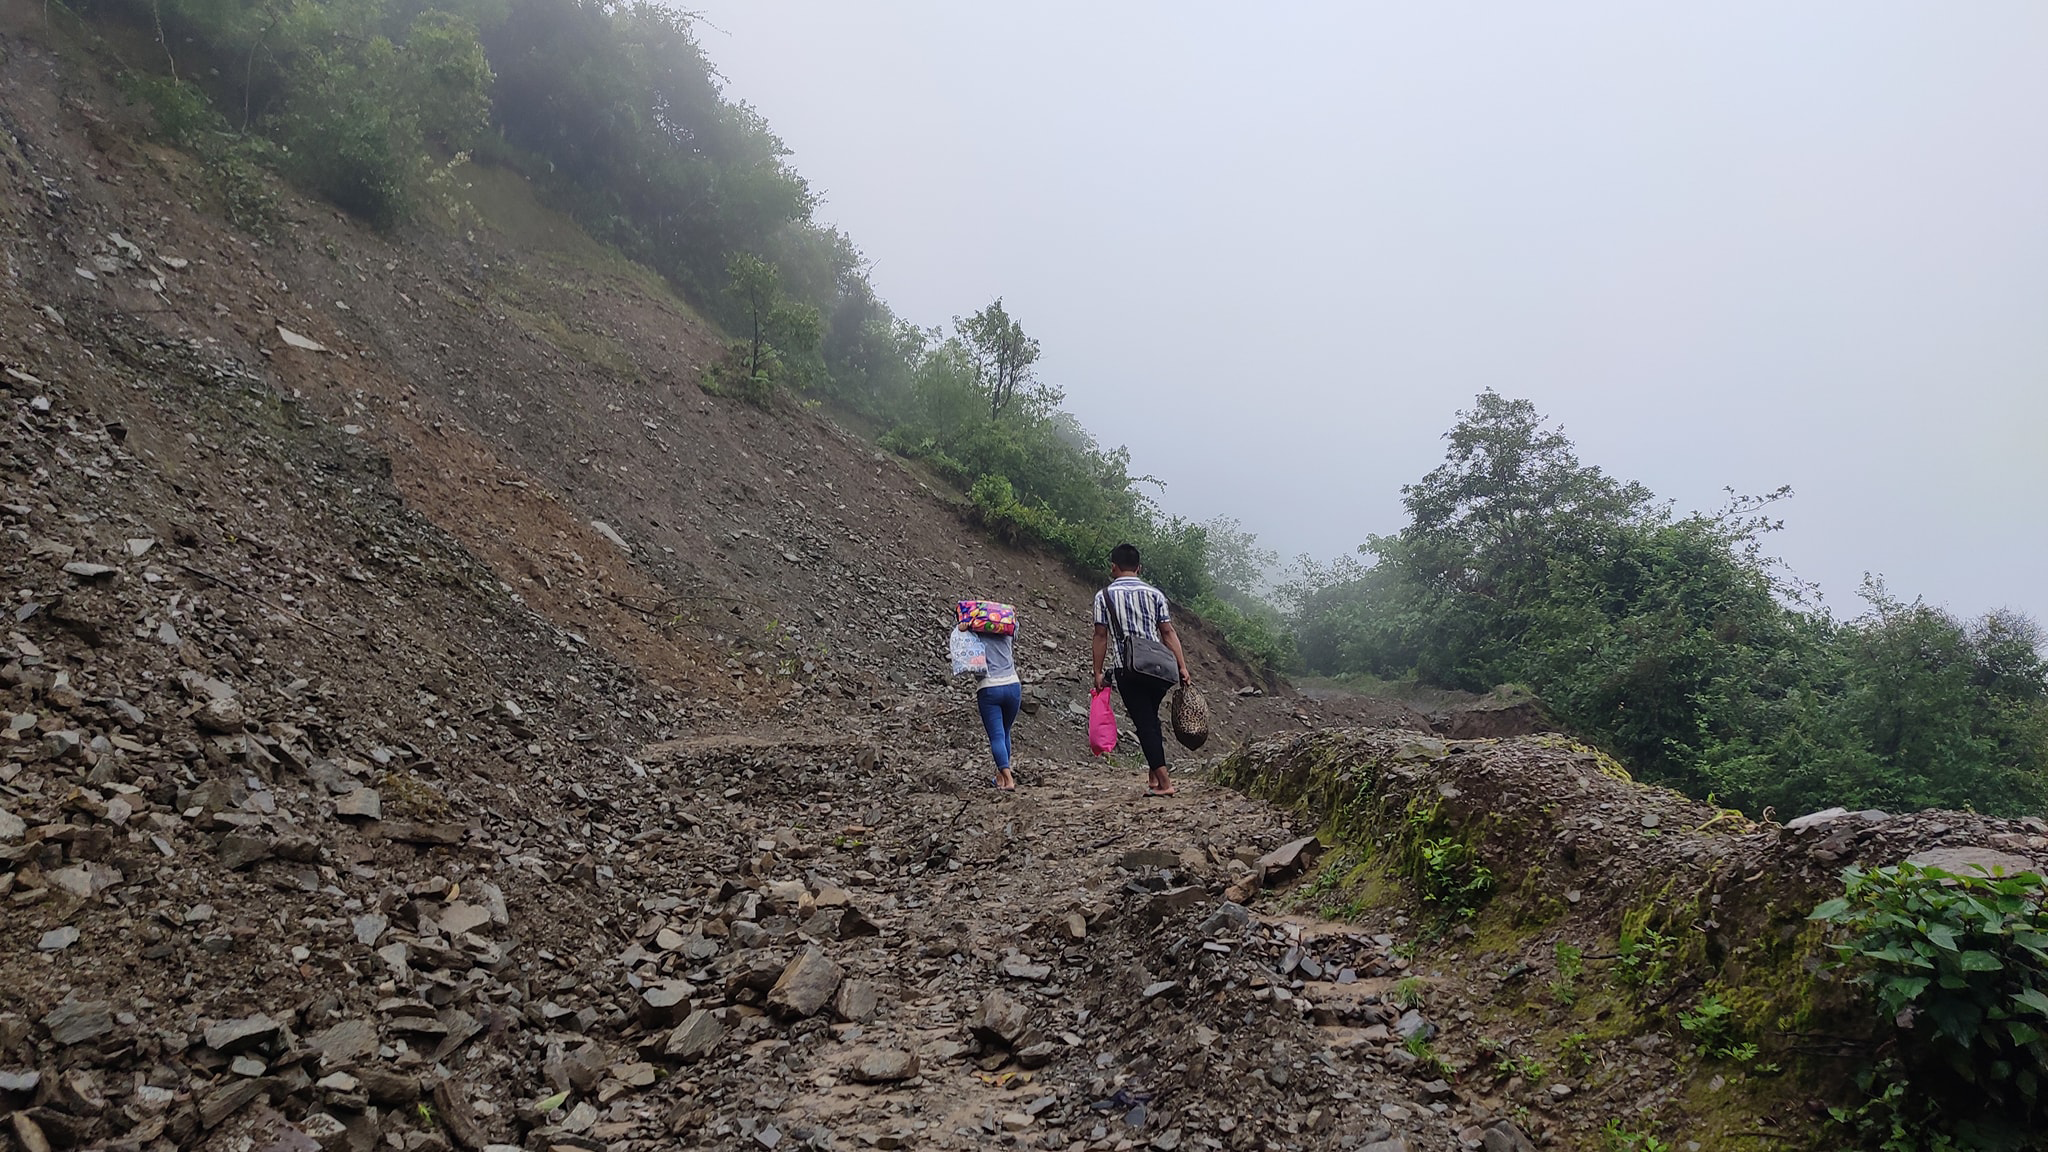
(77, 1021)
(885, 1067)
(806, 985)
(1000, 1019)
(695, 1038)
(856, 1000)
(232, 1037)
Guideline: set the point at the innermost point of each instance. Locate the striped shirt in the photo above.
(1140, 610)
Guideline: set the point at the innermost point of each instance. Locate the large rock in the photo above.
(12, 827)
(240, 849)
(227, 1100)
(220, 717)
(661, 1005)
(695, 1038)
(361, 804)
(344, 1043)
(1287, 859)
(77, 1021)
(1505, 1137)
(855, 1001)
(386, 1087)
(886, 1067)
(459, 917)
(806, 985)
(1000, 1019)
(231, 1037)
(1148, 859)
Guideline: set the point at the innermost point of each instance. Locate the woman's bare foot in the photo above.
(1005, 781)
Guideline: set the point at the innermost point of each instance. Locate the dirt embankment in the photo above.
(1609, 912)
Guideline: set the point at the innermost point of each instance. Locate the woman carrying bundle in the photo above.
(1000, 693)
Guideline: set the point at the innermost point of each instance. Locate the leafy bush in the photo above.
(1957, 966)
(346, 133)
(1712, 1025)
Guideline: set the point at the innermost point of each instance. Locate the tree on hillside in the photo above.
(754, 284)
(1002, 357)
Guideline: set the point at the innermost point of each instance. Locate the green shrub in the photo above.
(1957, 967)
(347, 133)
(1444, 869)
(1643, 958)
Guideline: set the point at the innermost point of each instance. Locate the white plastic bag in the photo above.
(970, 654)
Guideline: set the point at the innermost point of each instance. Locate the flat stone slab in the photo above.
(1973, 861)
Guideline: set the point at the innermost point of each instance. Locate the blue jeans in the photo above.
(998, 711)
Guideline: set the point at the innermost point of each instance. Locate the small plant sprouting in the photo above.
(1571, 962)
(1574, 1052)
(1617, 1137)
(1407, 992)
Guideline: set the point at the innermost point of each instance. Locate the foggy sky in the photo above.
(1275, 248)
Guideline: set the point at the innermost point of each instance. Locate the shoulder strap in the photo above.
(1116, 623)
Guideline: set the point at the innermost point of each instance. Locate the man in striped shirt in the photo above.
(1130, 607)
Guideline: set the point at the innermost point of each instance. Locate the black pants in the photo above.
(1142, 696)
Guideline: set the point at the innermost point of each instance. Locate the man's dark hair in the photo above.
(1124, 556)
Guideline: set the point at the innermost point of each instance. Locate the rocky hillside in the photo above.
(431, 720)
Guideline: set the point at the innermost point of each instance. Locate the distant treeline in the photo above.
(1675, 641)
(615, 112)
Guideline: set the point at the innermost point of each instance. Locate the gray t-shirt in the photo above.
(1002, 661)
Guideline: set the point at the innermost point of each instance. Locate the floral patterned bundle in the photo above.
(988, 617)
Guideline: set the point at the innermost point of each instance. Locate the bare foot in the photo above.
(1005, 781)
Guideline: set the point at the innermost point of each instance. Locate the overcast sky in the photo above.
(1275, 248)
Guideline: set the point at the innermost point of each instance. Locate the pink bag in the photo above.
(1101, 724)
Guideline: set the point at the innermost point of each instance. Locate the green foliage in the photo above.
(1002, 357)
(1507, 1062)
(1713, 1028)
(1643, 958)
(349, 92)
(1406, 992)
(1444, 869)
(1674, 641)
(347, 134)
(1571, 962)
(1575, 1052)
(1618, 1137)
(1957, 966)
(1890, 1118)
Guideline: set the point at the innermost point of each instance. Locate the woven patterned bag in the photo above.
(1190, 718)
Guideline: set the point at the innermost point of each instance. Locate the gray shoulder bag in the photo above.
(1142, 654)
